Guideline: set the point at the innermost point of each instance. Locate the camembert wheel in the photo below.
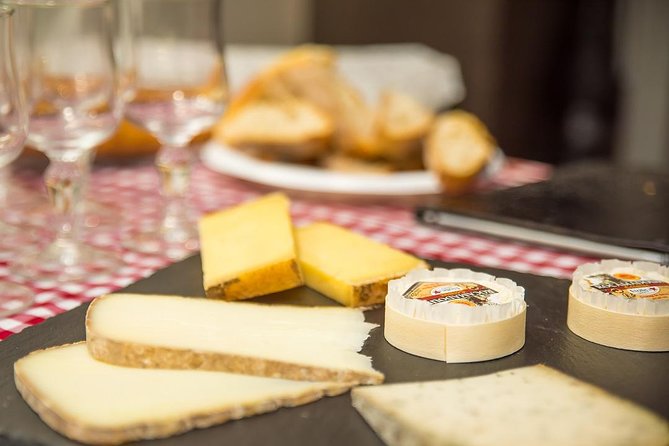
(455, 315)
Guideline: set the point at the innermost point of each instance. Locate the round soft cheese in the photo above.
(455, 315)
(621, 304)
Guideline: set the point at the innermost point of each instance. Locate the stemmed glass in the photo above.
(13, 127)
(67, 68)
(180, 90)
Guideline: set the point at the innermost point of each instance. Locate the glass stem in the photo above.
(174, 164)
(4, 186)
(65, 182)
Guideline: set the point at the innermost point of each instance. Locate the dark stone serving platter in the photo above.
(637, 376)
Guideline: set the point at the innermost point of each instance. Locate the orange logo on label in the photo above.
(626, 276)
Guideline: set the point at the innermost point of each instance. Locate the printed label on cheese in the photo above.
(629, 285)
(464, 293)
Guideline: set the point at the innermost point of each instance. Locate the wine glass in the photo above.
(180, 90)
(13, 127)
(67, 68)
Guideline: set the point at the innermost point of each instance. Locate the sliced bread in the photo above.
(457, 149)
(291, 130)
(402, 123)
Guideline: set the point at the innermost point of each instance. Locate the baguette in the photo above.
(402, 123)
(457, 149)
(291, 130)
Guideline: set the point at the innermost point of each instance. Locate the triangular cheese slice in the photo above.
(97, 403)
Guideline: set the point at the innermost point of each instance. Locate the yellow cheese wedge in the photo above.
(348, 267)
(98, 403)
(249, 250)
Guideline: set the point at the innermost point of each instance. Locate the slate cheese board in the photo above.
(637, 376)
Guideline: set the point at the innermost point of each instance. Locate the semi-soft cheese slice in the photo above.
(249, 250)
(529, 406)
(303, 343)
(348, 267)
(97, 403)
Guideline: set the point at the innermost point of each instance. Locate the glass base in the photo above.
(175, 242)
(94, 215)
(14, 239)
(65, 261)
(14, 298)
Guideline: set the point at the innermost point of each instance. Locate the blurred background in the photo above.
(554, 80)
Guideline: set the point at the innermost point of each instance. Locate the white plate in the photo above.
(290, 176)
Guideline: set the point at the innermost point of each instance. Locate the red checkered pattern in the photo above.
(132, 192)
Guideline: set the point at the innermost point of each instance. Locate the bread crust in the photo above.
(75, 430)
(457, 156)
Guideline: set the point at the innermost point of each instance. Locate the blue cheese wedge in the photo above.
(621, 304)
(455, 315)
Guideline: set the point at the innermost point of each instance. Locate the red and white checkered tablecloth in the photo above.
(133, 191)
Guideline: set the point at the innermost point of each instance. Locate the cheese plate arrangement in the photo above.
(259, 339)
(636, 376)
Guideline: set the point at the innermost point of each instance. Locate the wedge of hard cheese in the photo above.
(348, 267)
(528, 406)
(97, 403)
(249, 250)
(303, 343)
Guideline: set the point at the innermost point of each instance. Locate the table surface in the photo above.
(130, 190)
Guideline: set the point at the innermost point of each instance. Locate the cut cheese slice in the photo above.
(97, 403)
(348, 267)
(249, 250)
(303, 343)
(528, 406)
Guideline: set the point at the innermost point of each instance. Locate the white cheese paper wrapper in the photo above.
(509, 300)
(582, 290)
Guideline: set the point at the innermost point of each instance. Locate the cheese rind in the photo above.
(347, 267)
(304, 343)
(619, 330)
(454, 343)
(249, 250)
(528, 406)
(97, 403)
(621, 304)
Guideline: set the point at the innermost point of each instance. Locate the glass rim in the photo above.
(6, 10)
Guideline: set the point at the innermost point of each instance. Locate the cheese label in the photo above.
(629, 285)
(465, 293)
